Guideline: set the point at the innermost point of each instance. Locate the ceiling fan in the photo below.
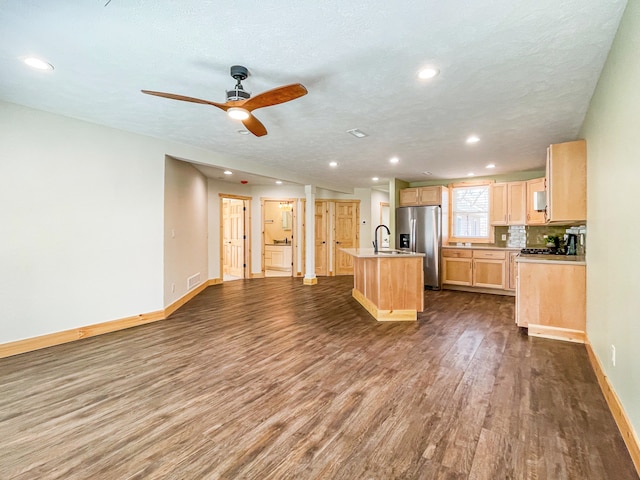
(240, 104)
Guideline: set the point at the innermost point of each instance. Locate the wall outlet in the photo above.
(613, 355)
(504, 237)
(173, 287)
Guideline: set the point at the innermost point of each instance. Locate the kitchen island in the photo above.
(389, 284)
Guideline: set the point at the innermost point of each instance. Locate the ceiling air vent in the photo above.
(357, 133)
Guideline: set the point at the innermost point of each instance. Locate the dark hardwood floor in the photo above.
(270, 379)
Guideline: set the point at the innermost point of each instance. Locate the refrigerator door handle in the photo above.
(413, 234)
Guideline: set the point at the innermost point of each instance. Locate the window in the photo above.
(470, 212)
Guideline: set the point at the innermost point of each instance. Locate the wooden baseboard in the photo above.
(465, 288)
(49, 340)
(257, 275)
(58, 338)
(384, 315)
(624, 424)
(184, 299)
(556, 333)
(310, 281)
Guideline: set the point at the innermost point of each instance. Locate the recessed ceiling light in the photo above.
(491, 165)
(278, 182)
(357, 133)
(333, 164)
(37, 63)
(228, 172)
(394, 159)
(473, 139)
(375, 179)
(243, 131)
(427, 173)
(471, 174)
(238, 113)
(428, 72)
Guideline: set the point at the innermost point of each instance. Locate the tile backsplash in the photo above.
(521, 236)
(517, 236)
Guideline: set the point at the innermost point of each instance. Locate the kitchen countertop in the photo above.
(369, 253)
(463, 247)
(553, 259)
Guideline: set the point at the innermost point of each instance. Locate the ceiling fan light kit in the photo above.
(238, 113)
(240, 104)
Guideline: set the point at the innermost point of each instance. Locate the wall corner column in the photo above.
(309, 236)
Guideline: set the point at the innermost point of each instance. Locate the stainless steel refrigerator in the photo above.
(419, 229)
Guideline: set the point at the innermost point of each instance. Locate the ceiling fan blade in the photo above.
(255, 126)
(275, 96)
(173, 96)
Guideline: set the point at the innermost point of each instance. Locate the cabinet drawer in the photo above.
(493, 254)
(454, 253)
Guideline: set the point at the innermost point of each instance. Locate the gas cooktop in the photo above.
(536, 251)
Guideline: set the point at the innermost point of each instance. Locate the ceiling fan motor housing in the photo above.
(239, 73)
(237, 94)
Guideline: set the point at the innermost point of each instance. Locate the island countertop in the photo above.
(382, 253)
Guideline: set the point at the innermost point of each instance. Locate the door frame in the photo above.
(247, 233)
(294, 231)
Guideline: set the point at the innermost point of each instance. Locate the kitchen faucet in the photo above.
(375, 242)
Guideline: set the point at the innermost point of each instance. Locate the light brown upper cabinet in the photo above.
(421, 196)
(534, 217)
(567, 182)
(508, 203)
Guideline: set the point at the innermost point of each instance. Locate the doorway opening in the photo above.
(278, 237)
(234, 222)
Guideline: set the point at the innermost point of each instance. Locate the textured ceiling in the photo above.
(518, 73)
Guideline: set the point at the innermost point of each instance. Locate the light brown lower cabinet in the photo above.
(475, 268)
(457, 266)
(551, 300)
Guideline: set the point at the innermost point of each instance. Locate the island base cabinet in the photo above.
(551, 300)
(391, 289)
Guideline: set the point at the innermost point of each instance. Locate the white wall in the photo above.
(81, 223)
(185, 228)
(378, 197)
(613, 259)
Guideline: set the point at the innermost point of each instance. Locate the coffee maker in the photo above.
(571, 243)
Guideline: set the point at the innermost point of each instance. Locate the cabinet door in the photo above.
(488, 273)
(513, 270)
(516, 203)
(534, 217)
(498, 204)
(409, 197)
(277, 257)
(457, 271)
(430, 195)
(567, 182)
